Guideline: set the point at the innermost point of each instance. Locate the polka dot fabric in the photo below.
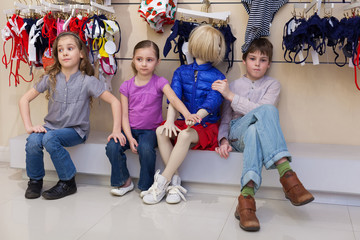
(157, 13)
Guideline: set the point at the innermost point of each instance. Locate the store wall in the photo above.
(318, 104)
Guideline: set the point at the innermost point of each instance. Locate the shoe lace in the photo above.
(177, 189)
(154, 190)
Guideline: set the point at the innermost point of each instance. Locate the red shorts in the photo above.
(207, 135)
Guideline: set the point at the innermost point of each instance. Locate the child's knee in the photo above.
(271, 109)
(112, 146)
(146, 149)
(50, 141)
(34, 142)
(160, 131)
(250, 132)
(185, 136)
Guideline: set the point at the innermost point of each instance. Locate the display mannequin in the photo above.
(192, 84)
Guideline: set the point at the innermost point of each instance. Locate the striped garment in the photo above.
(261, 13)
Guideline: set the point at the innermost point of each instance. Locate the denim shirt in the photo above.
(69, 105)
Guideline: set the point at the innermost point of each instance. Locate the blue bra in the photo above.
(182, 30)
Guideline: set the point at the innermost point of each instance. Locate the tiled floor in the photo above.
(92, 213)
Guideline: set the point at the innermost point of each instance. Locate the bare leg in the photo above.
(164, 144)
(284, 159)
(179, 152)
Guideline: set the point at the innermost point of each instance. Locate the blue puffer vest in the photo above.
(197, 93)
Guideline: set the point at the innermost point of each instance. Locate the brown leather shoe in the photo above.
(294, 190)
(245, 212)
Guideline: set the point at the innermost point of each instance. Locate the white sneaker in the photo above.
(175, 191)
(157, 191)
(120, 191)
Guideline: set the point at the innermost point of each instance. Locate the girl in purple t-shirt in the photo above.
(141, 102)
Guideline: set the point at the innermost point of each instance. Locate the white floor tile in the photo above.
(357, 235)
(355, 217)
(92, 213)
(188, 220)
(11, 183)
(280, 232)
(281, 219)
(311, 215)
(66, 218)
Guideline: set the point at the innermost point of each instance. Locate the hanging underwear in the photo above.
(49, 29)
(75, 25)
(294, 40)
(182, 29)
(315, 34)
(332, 34)
(158, 12)
(94, 28)
(59, 26)
(15, 30)
(261, 14)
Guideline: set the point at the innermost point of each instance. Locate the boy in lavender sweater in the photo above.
(250, 124)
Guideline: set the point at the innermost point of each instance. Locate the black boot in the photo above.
(34, 189)
(61, 189)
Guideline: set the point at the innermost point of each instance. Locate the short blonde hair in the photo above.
(207, 43)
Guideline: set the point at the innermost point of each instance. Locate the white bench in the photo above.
(332, 170)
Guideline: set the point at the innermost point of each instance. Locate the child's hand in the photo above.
(224, 149)
(170, 129)
(117, 137)
(36, 129)
(222, 86)
(191, 119)
(133, 145)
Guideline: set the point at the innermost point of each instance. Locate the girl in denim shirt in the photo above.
(70, 87)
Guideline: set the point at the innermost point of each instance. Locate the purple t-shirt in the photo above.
(145, 102)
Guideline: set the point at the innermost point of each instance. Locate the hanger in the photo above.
(66, 23)
(352, 6)
(301, 6)
(328, 9)
(102, 7)
(215, 15)
(316, 4)
(50, 6)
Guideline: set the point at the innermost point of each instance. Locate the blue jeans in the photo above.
(147, 156)
(54, 142)
(258, 135)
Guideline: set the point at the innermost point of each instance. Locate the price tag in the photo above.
(110, 47)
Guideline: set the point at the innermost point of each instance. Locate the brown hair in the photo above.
(260, 44)
(145, 44)
(207, 43)
(85, 66)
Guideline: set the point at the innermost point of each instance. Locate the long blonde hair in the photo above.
(85, 66)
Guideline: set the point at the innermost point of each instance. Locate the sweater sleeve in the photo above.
(226, 116)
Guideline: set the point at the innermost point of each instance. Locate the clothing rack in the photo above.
(314, 3)
(352, 6)
(223, 16)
